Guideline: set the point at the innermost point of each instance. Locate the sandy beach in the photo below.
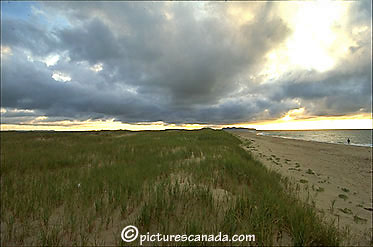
(337, 177)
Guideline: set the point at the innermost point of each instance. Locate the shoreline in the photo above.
(337, 178)
(299, 139)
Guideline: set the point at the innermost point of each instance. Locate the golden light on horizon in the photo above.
(360, 121)
(292, 114)
(90, 125)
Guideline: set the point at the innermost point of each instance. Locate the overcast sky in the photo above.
(180, 62)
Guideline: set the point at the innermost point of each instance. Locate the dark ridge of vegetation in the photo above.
(83, 188)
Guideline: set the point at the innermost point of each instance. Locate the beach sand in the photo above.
(338, 178)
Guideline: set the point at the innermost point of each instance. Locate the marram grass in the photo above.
(83, 188)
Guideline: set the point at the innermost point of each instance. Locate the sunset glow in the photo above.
(362, 121)
(264, 65)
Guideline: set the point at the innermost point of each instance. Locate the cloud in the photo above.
(93, 42)
(20, 33)
(172, 62)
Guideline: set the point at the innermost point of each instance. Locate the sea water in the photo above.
(357, 137)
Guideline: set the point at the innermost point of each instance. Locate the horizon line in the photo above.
(242, 128)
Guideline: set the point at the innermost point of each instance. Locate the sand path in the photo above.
(338, 177)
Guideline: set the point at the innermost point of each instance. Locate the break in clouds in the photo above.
(176, 62)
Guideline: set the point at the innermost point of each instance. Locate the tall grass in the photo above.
(82, 188)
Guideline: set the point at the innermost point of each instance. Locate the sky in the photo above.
(156, 65)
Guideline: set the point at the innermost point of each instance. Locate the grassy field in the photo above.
(83, 188)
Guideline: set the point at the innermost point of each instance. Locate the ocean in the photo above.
(357, 137)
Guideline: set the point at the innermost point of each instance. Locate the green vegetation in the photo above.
(332, 203)
(343, 196)
(309, 171)
(247, 143)
(345, 190)
(83, 188)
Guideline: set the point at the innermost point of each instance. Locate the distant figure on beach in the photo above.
(348, 140)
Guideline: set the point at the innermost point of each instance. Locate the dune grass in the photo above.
(82, 188)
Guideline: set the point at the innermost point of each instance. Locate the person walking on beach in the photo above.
(348, 140)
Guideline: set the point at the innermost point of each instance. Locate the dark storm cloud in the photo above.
(21, 33)
(360, 13)
(30, 86)
(93, 42)
(167, 62)
(190, 61)
(336, 94)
